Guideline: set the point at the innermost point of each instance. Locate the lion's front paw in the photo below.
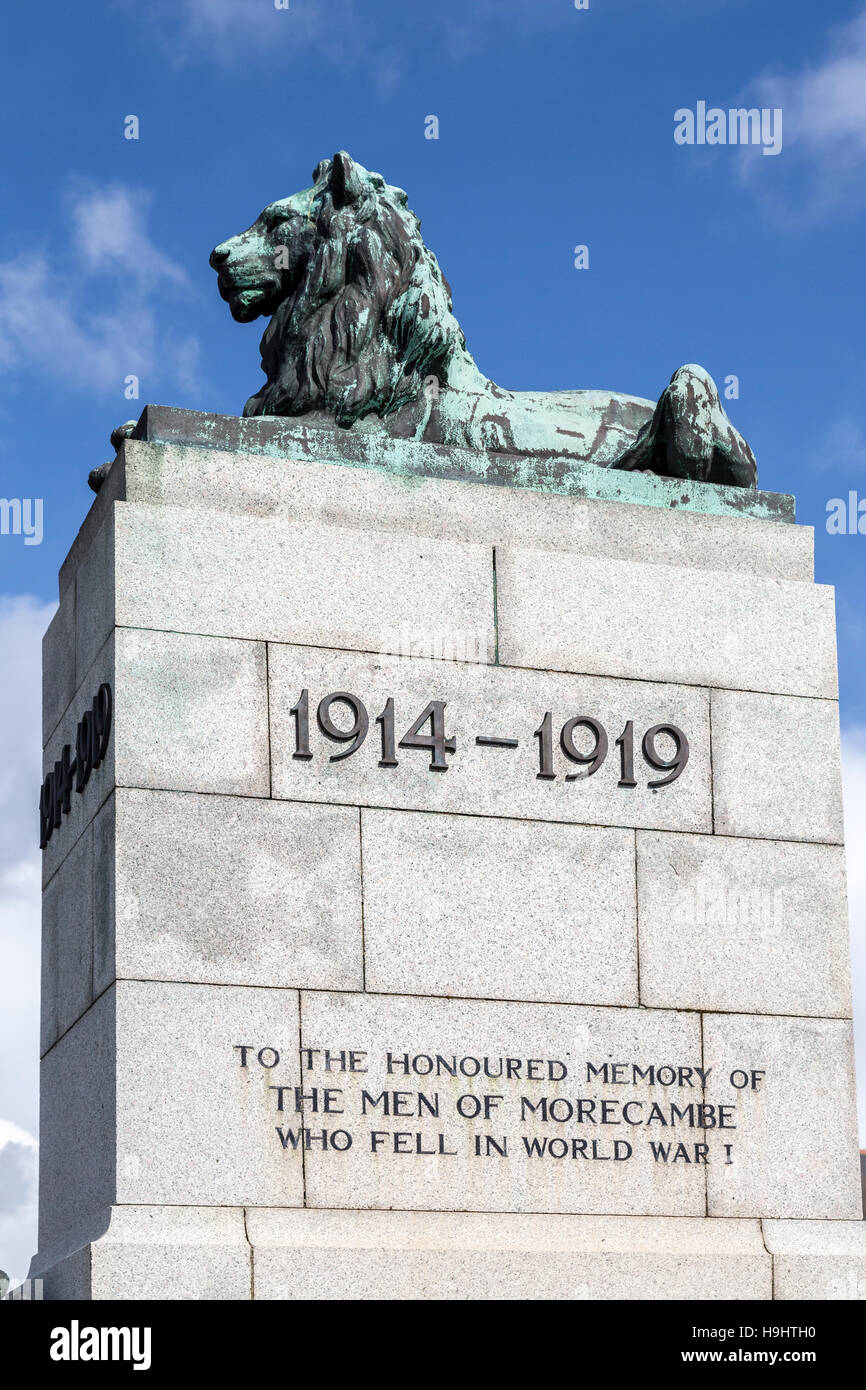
(97, 476)
(122, 432)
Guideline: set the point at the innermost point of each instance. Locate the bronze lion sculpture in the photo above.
(361, 329)
(362, 325)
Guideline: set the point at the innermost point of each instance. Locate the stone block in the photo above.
(103, 832)
(366, 446)
(362, 1255)
(83, 806)
(776, 767)
(306, 490)
(145, 1102)
(101, 506)
(481, 779)
(343, 1025)
(171, 1252)
(58, 665)
(616, 617)
(794, 1142)
(185, 570)
(433, 1153)
(96, 594)
(189, 1115)
(67, 942)
(462, 905)
(65, 1280)
(817, 1259)
(750, 926)
(77, 1128)
(236, 890)
(152, 1252)
(191, 713)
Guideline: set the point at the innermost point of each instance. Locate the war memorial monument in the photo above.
(444, 884)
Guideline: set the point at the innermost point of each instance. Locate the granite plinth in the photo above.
(360, 978)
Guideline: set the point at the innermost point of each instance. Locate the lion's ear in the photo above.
(345, 181)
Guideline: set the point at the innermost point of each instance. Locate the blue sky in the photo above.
(556, 129)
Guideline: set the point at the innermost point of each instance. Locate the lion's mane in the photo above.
(369, 319)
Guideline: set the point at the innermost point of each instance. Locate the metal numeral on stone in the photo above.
(435, 740)
(385, 720)
(625, 744)
(428, 734)
(91, 746)
(673, 765)
(544, 734)
(360, 723)
(593, 759)
(301, 715)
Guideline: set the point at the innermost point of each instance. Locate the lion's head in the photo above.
(361, 311)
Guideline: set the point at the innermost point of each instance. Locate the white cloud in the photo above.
(184, 357)
(13, 1134)
(228, 30)
(825, 104)
(342, 33)
(46, 323)
(824, 155)
(22, 623)
(854, 786)
(18, 1209)
(19, 1182)
(111, 234)
(43, 325)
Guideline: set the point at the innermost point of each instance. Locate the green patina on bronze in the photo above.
(362, 326)
(412, 462)
(362, 342)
